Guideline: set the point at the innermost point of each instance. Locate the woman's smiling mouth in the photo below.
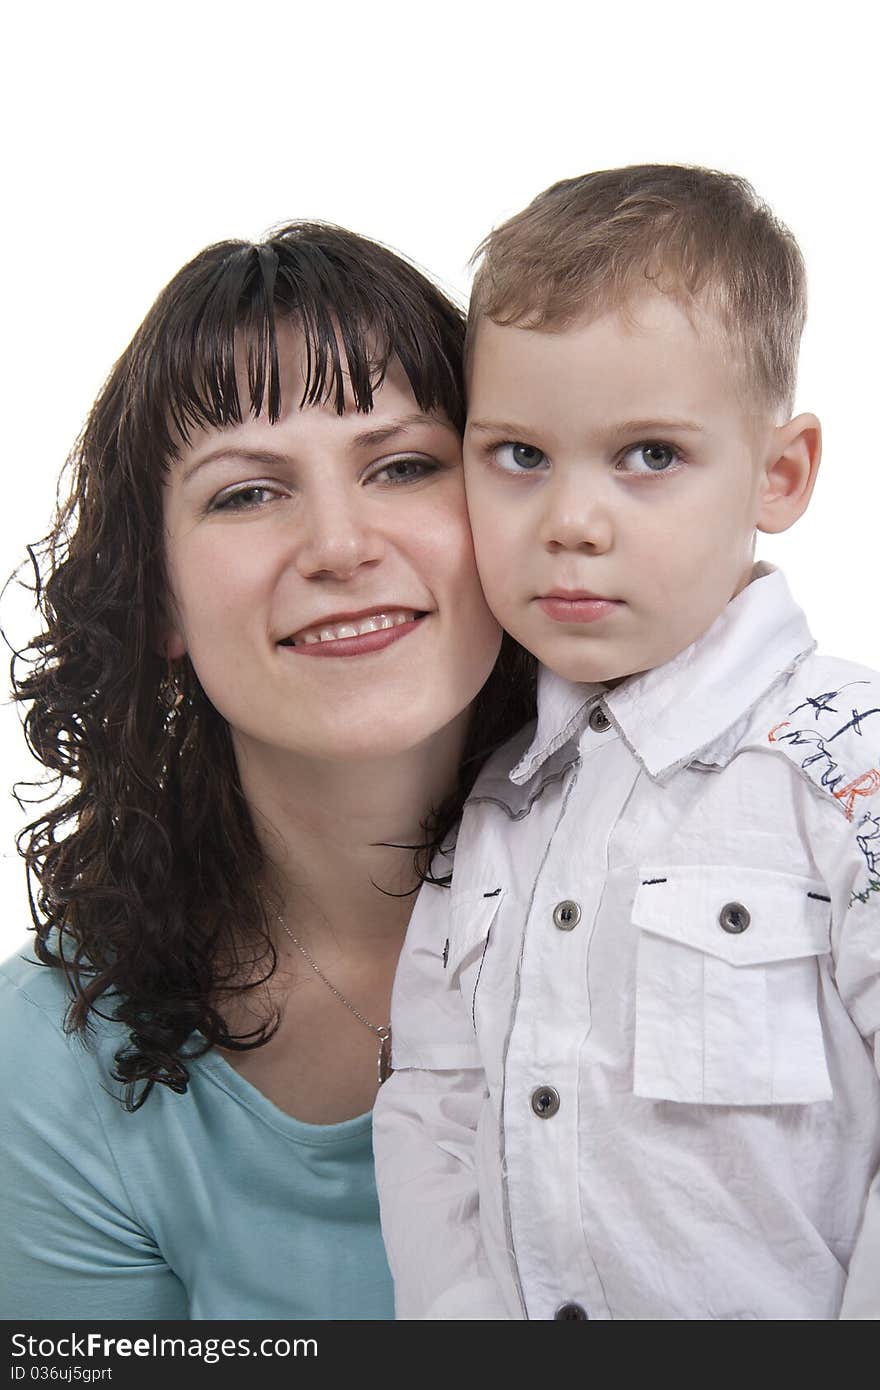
(354, 634)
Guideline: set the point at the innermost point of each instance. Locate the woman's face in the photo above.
(321, 574)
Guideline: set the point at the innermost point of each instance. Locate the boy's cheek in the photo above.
(504, 546)
(498, 581)
(498, 561)
(498, 595)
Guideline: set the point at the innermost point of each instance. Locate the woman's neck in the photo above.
(339, 837)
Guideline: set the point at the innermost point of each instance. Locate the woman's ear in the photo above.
(790, 470)
(172, 643)
(173, 646)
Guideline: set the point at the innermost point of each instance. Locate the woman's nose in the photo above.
(576, 517)
(338, 537)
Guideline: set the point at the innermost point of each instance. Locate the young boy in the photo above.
(633, 1041)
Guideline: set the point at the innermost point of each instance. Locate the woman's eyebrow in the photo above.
(364, 439)
(380, 434)
(264, 456)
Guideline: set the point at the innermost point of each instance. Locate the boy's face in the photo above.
(615, 478)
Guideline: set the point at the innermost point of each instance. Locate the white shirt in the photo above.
(633, 1042)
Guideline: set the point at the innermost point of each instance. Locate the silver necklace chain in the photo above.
(382, 1033)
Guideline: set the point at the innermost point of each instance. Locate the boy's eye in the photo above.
(519, 458)
(648, 458)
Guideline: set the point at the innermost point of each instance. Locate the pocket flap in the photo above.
(472, 915)
(786, 917)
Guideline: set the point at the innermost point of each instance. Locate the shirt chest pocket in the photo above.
(727, 987)
(473, 918)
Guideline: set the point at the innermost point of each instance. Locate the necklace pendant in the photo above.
(384, 1062)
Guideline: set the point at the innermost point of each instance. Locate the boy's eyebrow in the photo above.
(656, 423)
(502, 427)
(497, 427)
(649, 425)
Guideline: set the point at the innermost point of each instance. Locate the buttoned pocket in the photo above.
(473, 917)
(727, 986)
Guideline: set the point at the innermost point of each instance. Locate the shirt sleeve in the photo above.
(856, 898)
(427, 1128)
(72, 1246)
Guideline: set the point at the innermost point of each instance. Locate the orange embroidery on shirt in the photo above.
(771, 737)
(866, 784)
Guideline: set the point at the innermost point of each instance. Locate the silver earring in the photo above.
(170, 698)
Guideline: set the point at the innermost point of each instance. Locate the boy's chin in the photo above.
(588, 672)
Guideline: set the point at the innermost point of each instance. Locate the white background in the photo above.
(137, 134)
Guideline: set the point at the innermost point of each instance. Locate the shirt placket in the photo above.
(551, 1024)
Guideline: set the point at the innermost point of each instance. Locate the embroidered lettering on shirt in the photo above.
(822, 703)
(868, 841)
(820, 764)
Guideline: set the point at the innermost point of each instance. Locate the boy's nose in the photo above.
(576, 520)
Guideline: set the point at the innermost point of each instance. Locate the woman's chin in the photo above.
(350, 738)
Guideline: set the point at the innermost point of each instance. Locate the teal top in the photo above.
(212, 1204)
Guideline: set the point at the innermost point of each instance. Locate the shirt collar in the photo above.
(681, 709)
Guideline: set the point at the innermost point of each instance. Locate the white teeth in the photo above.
(375, 622)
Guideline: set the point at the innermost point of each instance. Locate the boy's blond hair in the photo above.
(591, 244)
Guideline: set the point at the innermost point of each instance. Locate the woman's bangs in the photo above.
(215, 358)
(230, 366)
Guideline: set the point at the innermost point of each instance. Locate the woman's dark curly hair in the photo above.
(144, 872)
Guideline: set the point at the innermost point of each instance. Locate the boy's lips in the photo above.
(576, 605)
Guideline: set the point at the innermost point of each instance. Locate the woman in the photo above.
(259, 678)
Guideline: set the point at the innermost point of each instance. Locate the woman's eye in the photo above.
(244, 498)
(649, 458)
(519, 458)
(406, 470)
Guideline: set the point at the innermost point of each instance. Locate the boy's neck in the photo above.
(759, 570)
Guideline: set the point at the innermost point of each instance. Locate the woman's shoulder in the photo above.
(33, 993)
(59, 1100)
(36, 1050)
(25, 982)
(28, 986)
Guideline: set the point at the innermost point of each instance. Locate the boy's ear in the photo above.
(789, 473)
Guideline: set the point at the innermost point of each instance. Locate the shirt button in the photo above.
(598, 720)
(566, 915)
(545, 1102)
(571, 1312)
(734, 918)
